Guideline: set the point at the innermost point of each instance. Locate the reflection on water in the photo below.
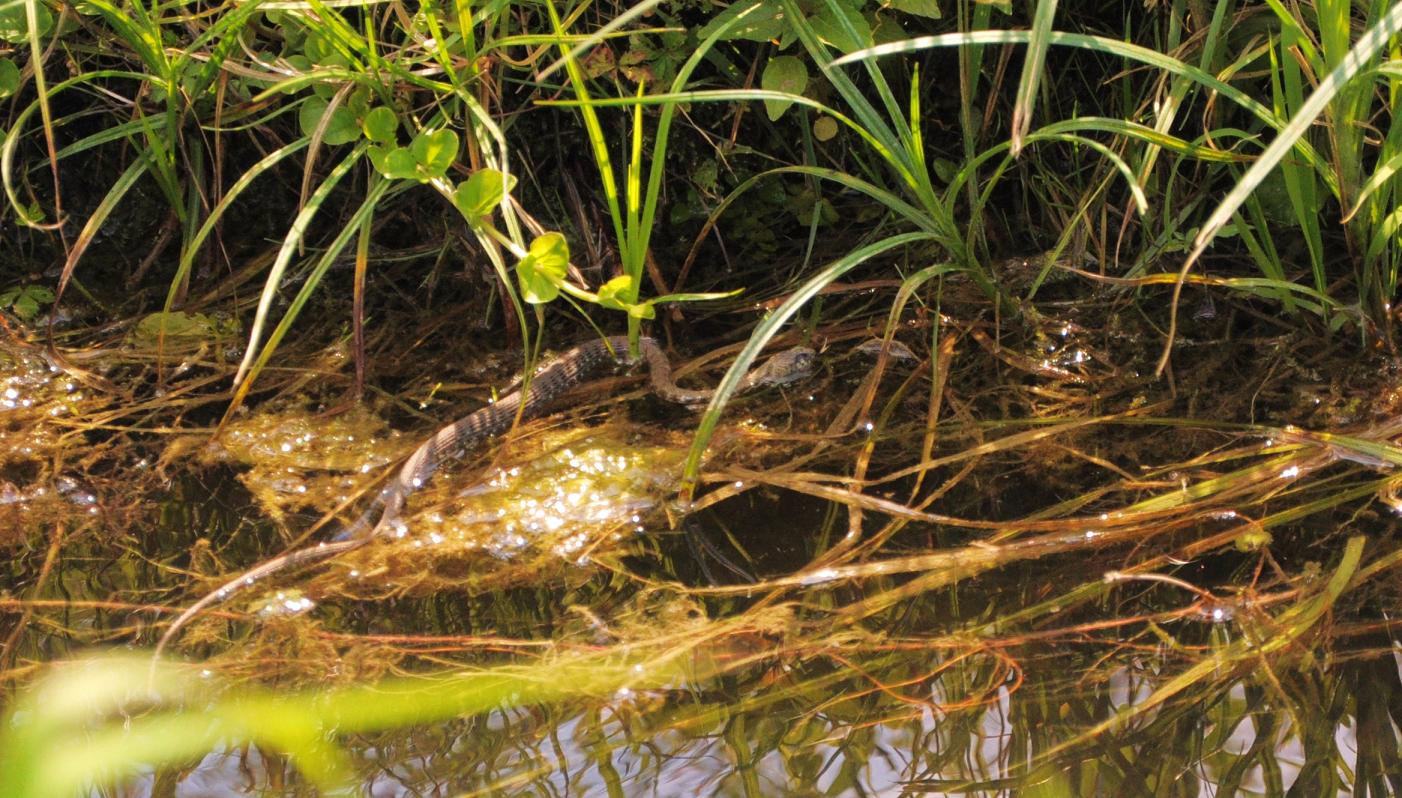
(786, 740)
(1050, 581)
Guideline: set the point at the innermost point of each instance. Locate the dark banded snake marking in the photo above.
(550, 382)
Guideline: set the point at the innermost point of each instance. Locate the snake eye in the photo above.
(806, 363)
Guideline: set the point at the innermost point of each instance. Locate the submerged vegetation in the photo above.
(1094, 493)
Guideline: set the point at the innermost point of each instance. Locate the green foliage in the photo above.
(370, 110)
(9, 77)
(106, 718)
(542, 270)
(380, 125)
(340, 128)
(478, 198)
(919, 8)
(426, 158)
(26, 300)
(14, 20)
(784, 74)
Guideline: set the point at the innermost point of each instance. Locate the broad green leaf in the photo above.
(434, 151)
(833, 30)
(553, 253)
(25, 300)
(380, 125)
(379, 158)
(543, 269)
(359, 102)
(920, 8)
(479, 197)
(13, 25)
(784, 73)
(762, 25)
(9, 77)
(617, 292)
(394, 162)
(341, 130)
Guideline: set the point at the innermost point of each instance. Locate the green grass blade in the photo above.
(1033, 65)
(187, 256)
(766, 330)
(1114, 47)
(333, 250)
(1359, 55)
(614, 27)
(104, 209)
(290, 242)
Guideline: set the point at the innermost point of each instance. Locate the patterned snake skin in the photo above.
(550, 382)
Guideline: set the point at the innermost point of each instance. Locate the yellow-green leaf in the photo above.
(434, 151)
(783, 73)
(543, 269)
(380, 125)
(479, 197)
(617, 293)
(920, 8)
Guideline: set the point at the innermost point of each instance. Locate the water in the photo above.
(1075, 582)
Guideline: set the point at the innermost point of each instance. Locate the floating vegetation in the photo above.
(1117, 518)
(297, 459)
(39, 404)
(855, 584)
(549, 502)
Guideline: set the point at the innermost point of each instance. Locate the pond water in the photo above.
(994, 562)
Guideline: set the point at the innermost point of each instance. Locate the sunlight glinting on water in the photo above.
(562, 502)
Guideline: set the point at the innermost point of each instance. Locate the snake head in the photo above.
(789, 366)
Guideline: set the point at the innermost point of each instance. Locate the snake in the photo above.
(551, 381)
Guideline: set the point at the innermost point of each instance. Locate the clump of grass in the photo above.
(960, 510)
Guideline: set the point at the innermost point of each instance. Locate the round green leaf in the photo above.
(9, 77)
(394, 162)
(14, 27)
(552, 252)
(400, 164)
(536, 286)
(617, 293)
(379, 158)
(479, 197)
(358, 102)
(784, 73)
(825, 128)
(543, 269)
(342, 129)
(434, 151)
(380, 125)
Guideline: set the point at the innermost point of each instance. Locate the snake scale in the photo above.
(549, 383)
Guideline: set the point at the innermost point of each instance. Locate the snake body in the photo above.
(550, 382)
